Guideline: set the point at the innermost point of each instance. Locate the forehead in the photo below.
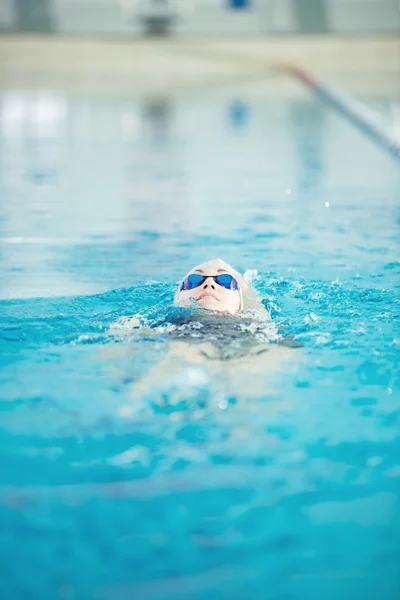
(209, 271)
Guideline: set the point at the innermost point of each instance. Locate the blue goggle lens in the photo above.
(225, 280)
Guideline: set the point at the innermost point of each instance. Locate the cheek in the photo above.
(231, 299)
(235, 300)
(185, 295)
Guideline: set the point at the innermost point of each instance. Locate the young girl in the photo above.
(224, 314)
(220, 329)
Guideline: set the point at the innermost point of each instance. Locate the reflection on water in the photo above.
(157, 119)
(75, 170)
(309, 133)
(214, 480)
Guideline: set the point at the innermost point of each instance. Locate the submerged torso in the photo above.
(230, 336)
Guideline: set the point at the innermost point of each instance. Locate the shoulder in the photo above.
(128, 323)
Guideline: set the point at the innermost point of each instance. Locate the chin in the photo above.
(210, 304)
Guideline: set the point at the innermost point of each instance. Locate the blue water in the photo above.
(292, 495)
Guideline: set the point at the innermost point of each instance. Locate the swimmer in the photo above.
(225, 331)
(230, 317)
(216, 287)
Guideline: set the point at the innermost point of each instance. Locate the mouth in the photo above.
(207, 295)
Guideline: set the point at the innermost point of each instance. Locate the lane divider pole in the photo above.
(355, 111)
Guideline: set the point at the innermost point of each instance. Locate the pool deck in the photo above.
(366, 65)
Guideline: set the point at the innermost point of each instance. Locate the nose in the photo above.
(209, 282)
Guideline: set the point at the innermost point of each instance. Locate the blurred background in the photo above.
(121, 116)
(133, 18)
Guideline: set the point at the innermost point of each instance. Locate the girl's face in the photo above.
(211, 294)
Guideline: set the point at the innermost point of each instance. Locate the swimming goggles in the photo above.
(194, 280)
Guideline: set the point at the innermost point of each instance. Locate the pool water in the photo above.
(217, 492)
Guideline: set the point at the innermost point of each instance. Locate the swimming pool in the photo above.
(106, 203)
